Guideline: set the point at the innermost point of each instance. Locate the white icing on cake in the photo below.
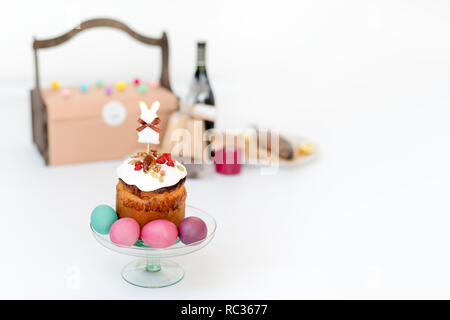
(145, 181)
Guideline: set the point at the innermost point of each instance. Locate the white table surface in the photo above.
(368, 219)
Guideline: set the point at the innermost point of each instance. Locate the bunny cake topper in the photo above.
(148, 132)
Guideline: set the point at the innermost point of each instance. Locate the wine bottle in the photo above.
(201, 96)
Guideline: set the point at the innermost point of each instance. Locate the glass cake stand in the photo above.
(150, 271)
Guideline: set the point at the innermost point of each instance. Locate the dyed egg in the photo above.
(83, 87)
(192, 229)
(99, 84)
(121, 85)
(159, 233)
(142, 88)
(125, 231)
(137, 81)
(155, 84)
(55, 85)
(108, 90)
(102, 218)
(66, 93)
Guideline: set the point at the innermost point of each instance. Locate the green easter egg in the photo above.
(142, 88)
(102, 218)
(99, 84)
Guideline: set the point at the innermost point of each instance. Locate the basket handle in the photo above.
(104, 22)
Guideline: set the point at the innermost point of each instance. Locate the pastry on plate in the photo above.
(268, 145)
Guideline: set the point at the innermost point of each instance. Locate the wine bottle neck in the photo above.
(201, 57)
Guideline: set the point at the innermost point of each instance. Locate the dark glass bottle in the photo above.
(201, 95)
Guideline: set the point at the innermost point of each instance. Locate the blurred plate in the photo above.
(300, 159)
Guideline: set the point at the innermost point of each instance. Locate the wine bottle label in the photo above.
(201, 55)
(203, 111)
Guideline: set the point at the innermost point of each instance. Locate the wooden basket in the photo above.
(72, 130)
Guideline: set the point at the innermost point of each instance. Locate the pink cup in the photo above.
(228, 161)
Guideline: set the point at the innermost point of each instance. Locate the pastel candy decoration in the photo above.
(99, 84)
(192, 229)
(147, 132)
(136, 81)
(108, 90)
(55, 85)
(66, 93)
(125, 231)
(83, 87)
(159, 233)
(102, 218)
(121, 85)
(142, 88)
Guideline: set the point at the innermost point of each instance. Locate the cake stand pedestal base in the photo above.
(152, 273)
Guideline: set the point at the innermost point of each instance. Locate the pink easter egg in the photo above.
(159, 233)
(124, 231)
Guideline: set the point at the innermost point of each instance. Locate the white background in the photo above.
(367, 80)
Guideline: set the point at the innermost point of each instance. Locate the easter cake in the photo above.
(150, 187)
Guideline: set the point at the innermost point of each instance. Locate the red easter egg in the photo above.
(192, 229)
